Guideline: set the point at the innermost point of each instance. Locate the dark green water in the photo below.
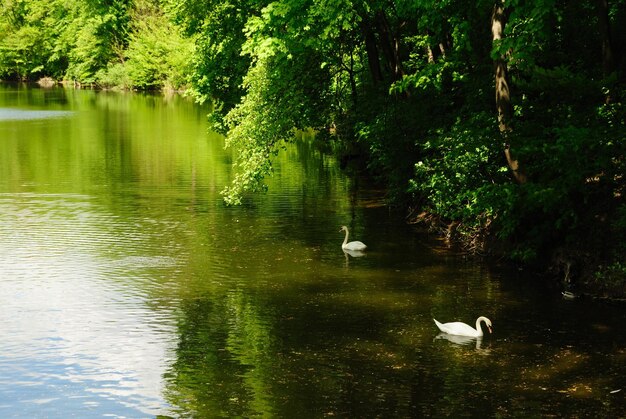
(127, 289)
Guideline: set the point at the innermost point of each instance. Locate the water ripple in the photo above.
(77, 286)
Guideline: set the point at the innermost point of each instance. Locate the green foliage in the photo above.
(256, 127)
(611, 279)
(459, 169)
(278, 99)
(23, 40)
(157, 56)
(113, 44)
(97, 37)
(115, 76)
(218, 66)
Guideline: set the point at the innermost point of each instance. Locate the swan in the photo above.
(462, 329)
(352, 246)
(568, 295)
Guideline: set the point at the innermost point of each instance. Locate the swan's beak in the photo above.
(490, 329)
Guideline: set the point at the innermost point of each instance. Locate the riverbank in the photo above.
(578, 272)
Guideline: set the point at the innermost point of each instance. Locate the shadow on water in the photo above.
(128, 289)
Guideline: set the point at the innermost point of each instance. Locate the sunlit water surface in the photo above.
(127, 289)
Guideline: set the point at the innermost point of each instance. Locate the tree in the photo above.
(503, 92)
(90, 42)
(218, 64)
(24, 39)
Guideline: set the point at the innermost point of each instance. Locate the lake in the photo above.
(129, 290)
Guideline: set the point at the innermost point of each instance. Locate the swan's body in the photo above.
(352, 246)
(462, 329)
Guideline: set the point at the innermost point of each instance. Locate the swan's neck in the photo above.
(345, 240)
(478, 320)
(478, 328)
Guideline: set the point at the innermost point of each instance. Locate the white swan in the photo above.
(352, 246)
(462, 329)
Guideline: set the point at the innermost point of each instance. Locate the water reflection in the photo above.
(72, 322)
(49, 387)
(353, 253)
(128, 289)
(460, 340)
(8, 114)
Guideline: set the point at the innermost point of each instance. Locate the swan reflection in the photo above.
(460, 340)
(353, 253)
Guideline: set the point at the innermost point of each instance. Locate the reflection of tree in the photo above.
(203, 381)
(250, 343)
(111, 141)
(297, 351)
(222, 349)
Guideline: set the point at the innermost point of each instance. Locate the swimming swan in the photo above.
(355, 245)
(462, 329)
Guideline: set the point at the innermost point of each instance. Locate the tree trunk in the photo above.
(503, 95)
(430, 54)
(390, 46)
(372, 54)
(353, 87)
(608, 61)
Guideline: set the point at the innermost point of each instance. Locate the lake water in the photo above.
(128, 290)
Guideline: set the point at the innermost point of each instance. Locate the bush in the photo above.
(157, 55)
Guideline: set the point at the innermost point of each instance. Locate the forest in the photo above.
(500, 124)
